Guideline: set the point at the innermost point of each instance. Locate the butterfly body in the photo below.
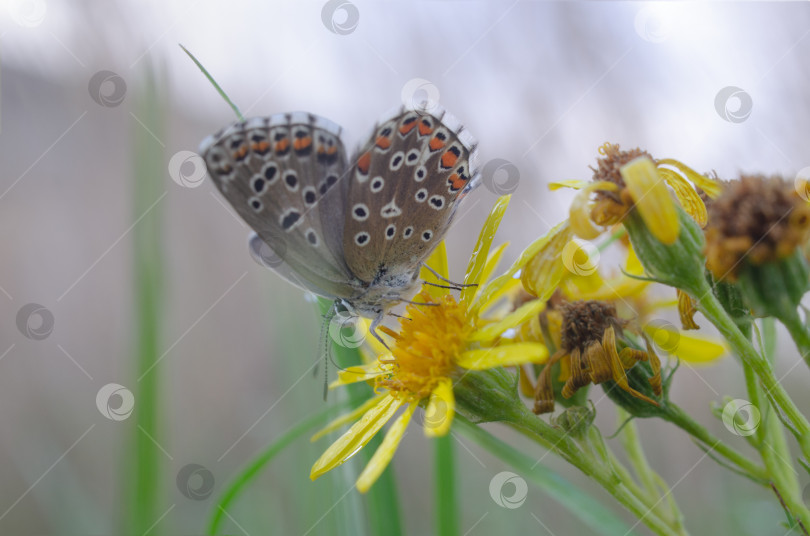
(352, 230)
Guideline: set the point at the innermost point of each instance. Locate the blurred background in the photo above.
(128, 255)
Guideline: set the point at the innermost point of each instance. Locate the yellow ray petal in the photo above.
(503, 356)
(545, 269)
(686, 194)
(708, 185)
(575, 184)
(580, 210)
(492, 299)
(357, 436)
(382, 456)
(359, 373)
(479, 256)
(692, 348)
(348, 417)
(440, 410)
(513, 319)
(437, 261)
(492, 262)
(652, 199)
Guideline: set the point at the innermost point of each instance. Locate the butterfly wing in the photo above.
(286, 176)
(405, 187)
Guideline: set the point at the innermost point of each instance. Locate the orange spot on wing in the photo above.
(435, 144)
(456, 182)
(383, 142)
(449, 159)
(364, 162)
(407, 127)
(302, 143)
(282, 145)
(424, 128)
(261, 146)
(240, 152)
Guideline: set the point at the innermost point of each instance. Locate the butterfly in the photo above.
(355, 231)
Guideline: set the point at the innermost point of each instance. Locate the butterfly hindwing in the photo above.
(404, 188)
(284, 175)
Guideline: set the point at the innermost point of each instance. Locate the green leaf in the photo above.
(446, 501)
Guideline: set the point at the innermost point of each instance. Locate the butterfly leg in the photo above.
(373, 328)
(452, 284)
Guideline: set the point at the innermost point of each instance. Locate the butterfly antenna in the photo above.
(326, 349)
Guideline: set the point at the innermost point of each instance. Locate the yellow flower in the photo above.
(631, 179)
(440, 339)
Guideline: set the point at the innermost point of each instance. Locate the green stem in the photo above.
(447, 514)
(587, 509)
(713, 310)
(536, 429)
(635, 453)
(255, 467)
(684, 421)
(798, 331)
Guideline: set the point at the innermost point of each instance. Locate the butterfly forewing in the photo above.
(404, 188)
(284, 175)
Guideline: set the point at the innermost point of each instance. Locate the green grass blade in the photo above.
(214, 83)
(144, 479)
(587, 509)
(382, 500)
(255, 467)
(446, 500)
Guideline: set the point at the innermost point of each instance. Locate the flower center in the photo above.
(585, 322)
(426, 346)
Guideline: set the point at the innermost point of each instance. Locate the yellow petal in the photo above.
(687, 196)
(503, 356)
(580, 210)
(545, 268)
(513, 319)
(492, 262)
(437, 261)
(492, 299)
(712, 187)
(359, 373)
(479, 256)
(440, 410)
(357, 436)
(575, 184)
(382, 456)
(348, 417)
(695, 349)
(652, 199)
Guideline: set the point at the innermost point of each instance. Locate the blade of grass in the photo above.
(255, 467)
(144, 463)
(382, 500)
(584, 507)
(447, 515)
(214, 83)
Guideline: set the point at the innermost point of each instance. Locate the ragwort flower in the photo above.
(438, 342)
